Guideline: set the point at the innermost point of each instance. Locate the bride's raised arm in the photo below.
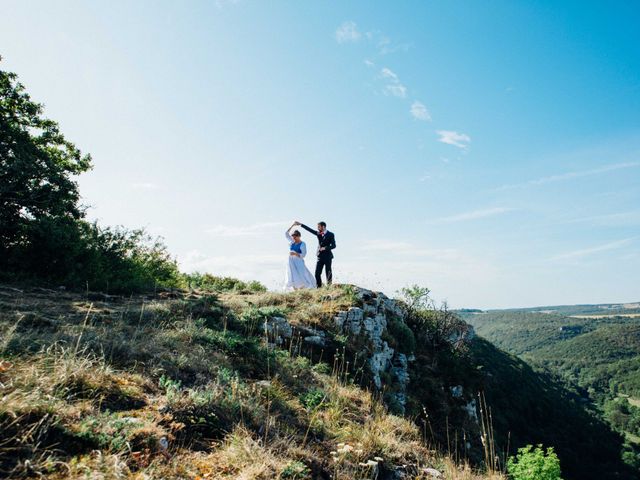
(286, 233)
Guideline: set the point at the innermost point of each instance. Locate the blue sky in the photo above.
(490, 151)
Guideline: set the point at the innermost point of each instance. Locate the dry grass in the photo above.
(308, 307)
(98, 390)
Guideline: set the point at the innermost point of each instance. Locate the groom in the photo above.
(326, 243)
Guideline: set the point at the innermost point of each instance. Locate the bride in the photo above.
(298, 276)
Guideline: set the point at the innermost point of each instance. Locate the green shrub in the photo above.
(404, 338)
(322, 367)
(313, 398)
(534, 464)
(295, 470)
(213, 283)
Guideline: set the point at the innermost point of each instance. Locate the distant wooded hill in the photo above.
(593, 349)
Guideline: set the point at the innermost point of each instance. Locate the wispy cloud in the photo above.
(593, 250)
(393, 86)
(621, 219)
(584, 173)
(387, 73)
(420, 112)
(348, 32)
(244, 231)
(473, 215)
(450, 137)
(386, 46)
(571, 175)
(397, 90)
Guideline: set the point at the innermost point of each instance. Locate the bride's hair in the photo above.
(296, 233)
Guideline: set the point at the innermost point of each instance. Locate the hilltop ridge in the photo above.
(330, 383)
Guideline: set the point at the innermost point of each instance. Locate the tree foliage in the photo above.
(37, 166)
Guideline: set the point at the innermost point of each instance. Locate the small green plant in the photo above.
(295, 470)
(341, 339)
(350, 294)
(313, 398)
(171, 387)
(534, 464)
(322, 367)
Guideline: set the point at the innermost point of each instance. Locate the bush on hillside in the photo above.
(213, 283)
(79, 254)
(431, 326)
(534, 464)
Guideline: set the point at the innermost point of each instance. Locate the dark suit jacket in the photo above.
(328, 241)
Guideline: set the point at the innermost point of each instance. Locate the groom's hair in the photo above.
(323, 224)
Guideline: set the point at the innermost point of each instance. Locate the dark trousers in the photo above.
(326, 263)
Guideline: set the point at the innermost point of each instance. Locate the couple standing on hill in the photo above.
(298, 276)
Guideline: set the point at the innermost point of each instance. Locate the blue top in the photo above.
(296, 247)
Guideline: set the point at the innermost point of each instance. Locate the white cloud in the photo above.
(348, 32)
(244, 231)
(450, 137)
(597, 249)
(473, 215)
(420, 112)
(369, 63)
(396, 90)
(394, 86)
(387, 73)
(571, 175)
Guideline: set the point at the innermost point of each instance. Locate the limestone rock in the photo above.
(277, 329)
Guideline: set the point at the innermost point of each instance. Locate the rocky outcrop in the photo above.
(366, 329)
(367, 326)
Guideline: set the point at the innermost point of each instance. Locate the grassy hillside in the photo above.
(187, 385)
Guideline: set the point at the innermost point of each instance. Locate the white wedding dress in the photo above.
(297, 274)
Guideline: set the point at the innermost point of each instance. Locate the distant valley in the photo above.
(593, 349)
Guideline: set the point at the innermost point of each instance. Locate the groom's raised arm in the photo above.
(310, 230)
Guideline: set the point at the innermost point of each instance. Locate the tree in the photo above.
(37, 166)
